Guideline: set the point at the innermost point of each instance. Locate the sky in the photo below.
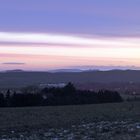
(57, 34)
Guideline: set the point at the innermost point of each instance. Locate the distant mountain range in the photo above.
(66, 70)
(83, 69)
(16, 70)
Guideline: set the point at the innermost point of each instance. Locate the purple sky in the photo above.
(104, 17)
(49, 34)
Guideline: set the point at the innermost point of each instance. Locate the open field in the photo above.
(118, 120)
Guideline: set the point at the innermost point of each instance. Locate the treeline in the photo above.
(67, 95)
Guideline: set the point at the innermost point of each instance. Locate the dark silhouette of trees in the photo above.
(108, 96)
(8, 94)
(69, 89)
(67, 95)
(2, 100)
(18, 100)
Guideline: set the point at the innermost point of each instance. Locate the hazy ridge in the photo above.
(19, 79)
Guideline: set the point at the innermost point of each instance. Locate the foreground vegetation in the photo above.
(106, 116)
(67, 95)
(99, 121)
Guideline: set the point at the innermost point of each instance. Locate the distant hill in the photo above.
(66, 70)
(16, 70)
(19, 79)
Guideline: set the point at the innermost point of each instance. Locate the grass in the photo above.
(65, 116)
